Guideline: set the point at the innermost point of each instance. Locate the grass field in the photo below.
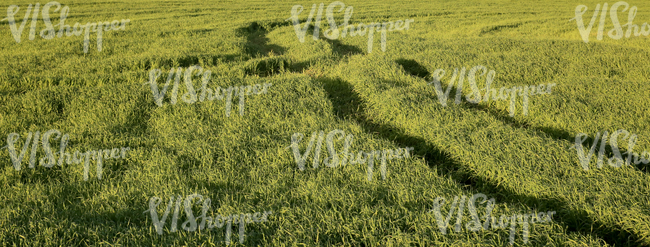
(244, 163)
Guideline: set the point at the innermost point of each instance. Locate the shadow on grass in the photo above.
(187, 61)
(67, 206)
(256, 41)
(415, 69)
(339, 49)
(348, 105)
(257, 47)
(138, 118)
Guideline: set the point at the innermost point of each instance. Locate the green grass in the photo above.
(242, 162)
